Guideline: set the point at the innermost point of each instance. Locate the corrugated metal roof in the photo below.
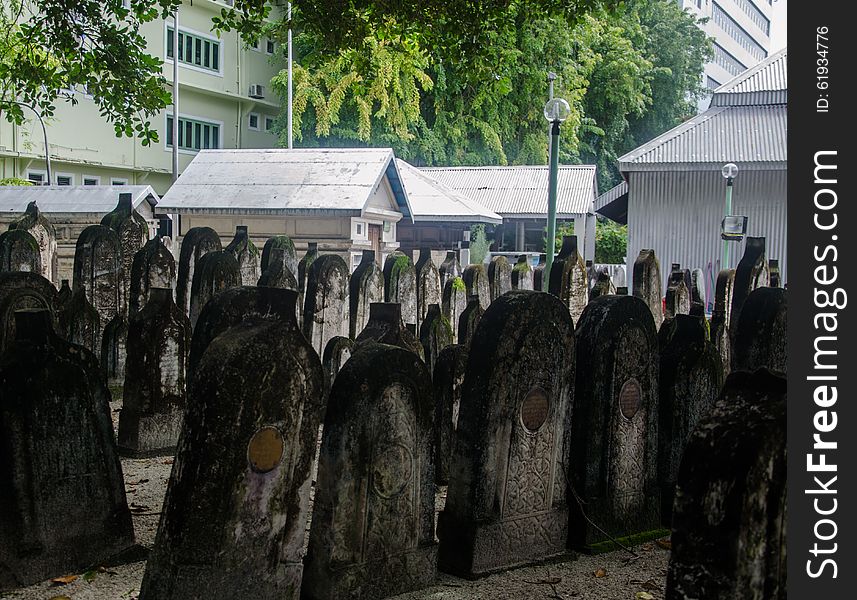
(73, 199)
(751, 136)
(522, 191)
(613, 203)
(433, 201)
(610, 195)
(765, 83)
(283, 181)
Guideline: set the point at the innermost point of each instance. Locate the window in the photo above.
(269, 123)
(65, 179)
(37, 177)
(194, 134)
(756, 15)
(737, 33)
(356, 259)
(255, 46)
(269, 46)
(253, 122)
(118, 181)
(359, 228)
(91, 180)
(195, 50)
(711, 83)
(727, 61)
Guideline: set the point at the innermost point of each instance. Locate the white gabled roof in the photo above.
(65, 199)
(284, 181)
(433, 201)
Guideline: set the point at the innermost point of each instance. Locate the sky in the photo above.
(778, 25)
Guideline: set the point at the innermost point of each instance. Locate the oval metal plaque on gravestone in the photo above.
(630, 398)
(265, 449)
(534, 410)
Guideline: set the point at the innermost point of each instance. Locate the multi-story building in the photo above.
(742, 36)
(225, 101)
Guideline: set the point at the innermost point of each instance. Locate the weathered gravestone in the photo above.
(19, 251)
(614, 448)
(235, 514)
(37, 225)
(214, 273)
(449, 268)
(276, 272)
(336, 354)
(647, 284)
(23, 290)
(305, 263)
(522, 274)
(678, 295)
(729, 519)
(196, 243)
(400, 285)
(113, 354)
(591, 273)
(98, 267)
(720, 317)
(280, 248)
(568, 280)
(698, 293)
(690, 378)
(247, 255)
(603, 285)
(435, 335)
(79, 322)
(476, 282)
(153, 267)
(751, 273)
(365, 287)
(428, 284)
(372, 530)
(760, 338)
(469, 320)
(64, 295)
(154, 397)
(447, 380)
(62, 497)
(499, 277)
(454, 302)
(326, 301)
(774, 277)
(385, 326)
(507, 498)
(132, 231)
(538, 272)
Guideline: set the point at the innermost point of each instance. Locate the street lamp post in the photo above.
(556, 111)
(729, 172)
(44, 133)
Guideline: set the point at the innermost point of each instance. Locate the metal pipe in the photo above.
(552, 185)
(176, 125)
(728, 212)
(289, 109)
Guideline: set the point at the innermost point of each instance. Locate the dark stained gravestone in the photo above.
(325, 313)
(449, 268)
(469, 320)
(62, 497)
(697, 287)
(113, 354)
(428, 284)
(372, 530)
(720, 317)
(729, 519)
(247, 255)
(507, 498)
(678, 295)
(214, 273)
(385, 326)
(568, 280)
(751, 273)
(276, 273)
(476, 281)
(154, 398)
(196, 243)
(235, 514)
(132, 231)
(760, 338)
(365, 287)
(647, 284)
(614, 448)
(37, 225)
(499, 277)
(435, 335)
(64, 295)
(280, 248)
(591, 273)
(454, 302)
(538, 272)
(447, 381)
(774, 277)
(603, 286)
(336, 354)
(400, 285)
(19, 291)
(304, 265)
(690, 379)
(19, 251)
(522, 274)
(79, 322)
(153, 267)
(98, 267)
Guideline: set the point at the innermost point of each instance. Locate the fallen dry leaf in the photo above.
(600, 573)
(168, 461)
(65, 579)
(644, 596)
(647, 547)
(666, 544)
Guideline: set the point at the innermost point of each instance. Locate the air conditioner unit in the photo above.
(257, 91)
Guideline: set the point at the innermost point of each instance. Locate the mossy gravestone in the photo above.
(385, 325)
(435, 335)
(280, 248)
(62, 497)
(304, 265)
(447, 379)
(449, 268)
(454, 302)
(507, 497)
(760, 338)
(720, 317)
(729, 520)
(23, 290)
(698, 293)
(400, 285)
(469, 320)
(215, 272)
(336, 353)
(132, 231)
(98, 267)
(37, 225)
(247, 255)
(365, 287)
(372, 530)
(79, 322)
(155, 388)
(603, 285)
(614, 449)
(196, 243)
(539, 272)
(690, 379)
(522, 274)
(568, 280)
(114, 355)
(326, 301)
(64, 295)
(499, 277)
(647, 284)
(19, 251)
(153, 267)
(476, 281)
(235, 514)
(276, 273)
(774, 276)
(428, 284)
(751, 273)
(677, 299)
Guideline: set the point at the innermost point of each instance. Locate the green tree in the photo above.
(611, 242)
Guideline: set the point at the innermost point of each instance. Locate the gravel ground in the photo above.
(620, 575)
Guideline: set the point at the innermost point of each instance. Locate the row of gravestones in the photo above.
(558, 441)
